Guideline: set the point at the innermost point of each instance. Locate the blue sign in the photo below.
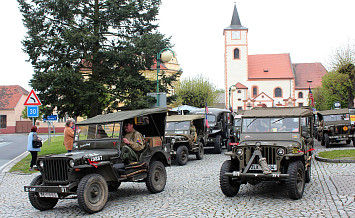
(51, 118)
(32, 111)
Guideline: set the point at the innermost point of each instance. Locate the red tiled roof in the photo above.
(10, 96)
(154, 66)
(240, 86)
(269, 66)
(309, 72)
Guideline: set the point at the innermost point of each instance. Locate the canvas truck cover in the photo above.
(335, 111)
(122, 115)
(179, 118)
(278, 112)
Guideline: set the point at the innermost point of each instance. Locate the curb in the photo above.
(322, 159)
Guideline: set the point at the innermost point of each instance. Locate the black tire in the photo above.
(182, 155)
(37, 202)
(156, 178)
(348, 142)
(92, 193)
(229, 186)
(113, 186)
(218, 143)
(326, 140)
(200, 152)
(322, 141)
(229, 147)
(296, 181)
(308, 173)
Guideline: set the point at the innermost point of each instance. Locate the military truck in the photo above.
(220, 127)
(94, 167)
(335, 126)
(187, 135)
(275, 145)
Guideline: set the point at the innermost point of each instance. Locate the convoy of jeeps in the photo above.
(263, 144)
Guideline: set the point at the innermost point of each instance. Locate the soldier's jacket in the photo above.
(136, 140)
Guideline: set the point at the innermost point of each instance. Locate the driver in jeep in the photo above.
(133, 143)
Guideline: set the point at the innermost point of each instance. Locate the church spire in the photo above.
(235, 23)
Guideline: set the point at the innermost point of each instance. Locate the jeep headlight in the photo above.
(41, 163)
(280, 151)
(239, 151)
(71, 163)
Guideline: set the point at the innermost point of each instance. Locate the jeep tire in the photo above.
(156, 177)
(228, 146)
(218, 142)
(92, 193)
(38, 202)
(200, 152)
(229, 186)
(296, 181)
(182, 155)
(326, 140)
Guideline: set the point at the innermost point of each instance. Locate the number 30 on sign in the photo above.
(32, 111)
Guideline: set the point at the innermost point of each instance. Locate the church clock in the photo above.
(235, 34)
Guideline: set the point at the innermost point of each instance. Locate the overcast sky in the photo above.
(310, 30)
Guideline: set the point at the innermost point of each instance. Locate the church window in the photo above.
(278, 92)
(300, 104)
(255, 91)
(236, 53)
(300, 95)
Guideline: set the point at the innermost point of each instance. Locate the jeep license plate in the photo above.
(258, 167)
(48, 195)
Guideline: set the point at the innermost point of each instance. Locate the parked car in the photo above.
(275, 144)
(220, 131)
(335, 126)
(94, 166)
(187, 135)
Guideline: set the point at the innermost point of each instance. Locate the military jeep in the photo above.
(220, 130)
(94, 167)
(185, 139)
(275, 144)
(335, 126)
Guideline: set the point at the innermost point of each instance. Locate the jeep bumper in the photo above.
(51, 189)
(238, 174)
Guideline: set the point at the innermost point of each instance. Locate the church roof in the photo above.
(235, 24)
(308, 74)
(269, 66)
(240, 86)
(10, 96)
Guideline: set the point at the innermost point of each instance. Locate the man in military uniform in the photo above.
(133, 143)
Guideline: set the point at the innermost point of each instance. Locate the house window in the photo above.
(255, 91)
(300, 95)
(300, 104)
(239, 91)
(240, 108)
(2, 121)
(278, 92)
(236, 53)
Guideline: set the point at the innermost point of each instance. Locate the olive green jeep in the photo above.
(335, 126)
(186, 134)
(94, 167)
(275, 144)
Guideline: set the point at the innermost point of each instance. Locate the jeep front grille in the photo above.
(268, 152)
(55, 170)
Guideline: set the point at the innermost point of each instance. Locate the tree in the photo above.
(196, 92)
(342, 61)
(113, 40)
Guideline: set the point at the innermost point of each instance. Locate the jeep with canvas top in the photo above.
(335, 126)
(187, 135)
(275, 144)
(94, 167)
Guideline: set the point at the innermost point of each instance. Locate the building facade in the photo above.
(265, 80)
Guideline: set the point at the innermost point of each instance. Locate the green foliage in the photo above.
(338, 154)
(334, 88)
(112, 40)
(196, 92)
(55, 147)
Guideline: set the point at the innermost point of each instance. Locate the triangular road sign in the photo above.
(32, 99)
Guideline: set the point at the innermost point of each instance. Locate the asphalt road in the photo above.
(11, 146)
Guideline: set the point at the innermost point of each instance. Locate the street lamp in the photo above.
(231, 88)
(164, 55)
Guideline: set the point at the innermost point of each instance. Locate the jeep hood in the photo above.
(79, 154)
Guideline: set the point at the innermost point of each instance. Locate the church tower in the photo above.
(235, 54)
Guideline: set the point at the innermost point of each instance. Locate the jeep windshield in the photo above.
(177, 127)
(97, 131)
(336, 117)
(270, 125)
(211, 119)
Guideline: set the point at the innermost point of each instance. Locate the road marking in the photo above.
(4, 144)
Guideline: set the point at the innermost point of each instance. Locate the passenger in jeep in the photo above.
(133, 143)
